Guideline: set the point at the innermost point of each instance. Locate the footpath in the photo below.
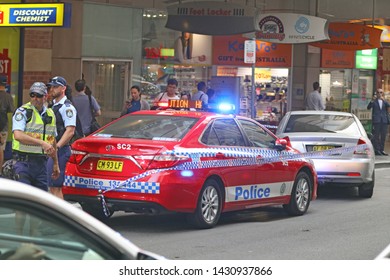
(382, 161)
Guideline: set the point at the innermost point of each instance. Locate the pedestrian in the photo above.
(135, 103)
(380, 121)
(211, 96)
(201, 94)
(84, 107)
(314, 100)
(170, 93)
(34, 141)
(6, 106)
(185, 95)
(65, 114)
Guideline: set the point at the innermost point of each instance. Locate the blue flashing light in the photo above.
(226, 107)
(187, 173)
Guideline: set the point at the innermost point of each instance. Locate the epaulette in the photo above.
(29, 113)
(68, 103)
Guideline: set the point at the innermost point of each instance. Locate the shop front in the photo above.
(212, 58)
(347, 80)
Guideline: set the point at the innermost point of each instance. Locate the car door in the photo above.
(233, 158)
(274, 172)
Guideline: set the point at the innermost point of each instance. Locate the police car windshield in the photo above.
(152, 127)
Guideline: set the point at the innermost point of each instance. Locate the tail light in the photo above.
(76, 157)
(359, 151)
(160, 161)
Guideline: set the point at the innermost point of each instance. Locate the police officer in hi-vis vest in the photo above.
(34, 140)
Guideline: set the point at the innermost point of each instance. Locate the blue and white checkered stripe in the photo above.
(104, 184)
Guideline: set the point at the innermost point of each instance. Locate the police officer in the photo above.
(65, 114)
(34, 132)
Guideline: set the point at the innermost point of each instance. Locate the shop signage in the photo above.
(337, 59)
(229, 50)
(250, 51)
(5, 65)
(367, 59)
(263, 75)
(287, 28)
(211, 18)
(159, 52)
(227, 71)
(32, 14)
(351, 36)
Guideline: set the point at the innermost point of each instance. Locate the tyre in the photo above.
(366, 190)
(300, 195)
(209, 206)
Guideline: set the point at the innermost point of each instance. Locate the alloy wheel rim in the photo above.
(210, 204)
(302, 194)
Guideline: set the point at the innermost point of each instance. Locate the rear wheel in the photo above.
(366, 190)
(208, 209)
(300, 195)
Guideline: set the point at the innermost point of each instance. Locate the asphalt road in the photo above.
(338, 226)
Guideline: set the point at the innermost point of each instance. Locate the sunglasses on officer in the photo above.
(33, 94)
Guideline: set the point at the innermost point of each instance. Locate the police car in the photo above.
(200, 163)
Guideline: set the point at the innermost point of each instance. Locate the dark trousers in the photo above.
(379, 131)
(31, 170)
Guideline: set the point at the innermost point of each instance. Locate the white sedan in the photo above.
(36, 225)
(337, 143)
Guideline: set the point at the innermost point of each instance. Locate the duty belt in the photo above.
(28, 157)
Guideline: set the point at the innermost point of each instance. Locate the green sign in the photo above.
(367, 59)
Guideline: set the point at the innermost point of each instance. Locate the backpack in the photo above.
(78, 133)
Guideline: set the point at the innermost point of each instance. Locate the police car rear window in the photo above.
(152, 127)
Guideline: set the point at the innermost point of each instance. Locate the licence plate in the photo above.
(110, 165)
(322, 148)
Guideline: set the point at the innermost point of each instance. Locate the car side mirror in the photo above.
(280, 144)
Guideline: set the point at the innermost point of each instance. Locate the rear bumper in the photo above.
(348, 172)
(118, 204)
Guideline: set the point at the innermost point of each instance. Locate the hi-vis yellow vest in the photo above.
(34, 128)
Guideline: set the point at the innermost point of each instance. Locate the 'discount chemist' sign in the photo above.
(32, 15)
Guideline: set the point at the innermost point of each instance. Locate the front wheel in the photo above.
(209, 206)
(300, 195)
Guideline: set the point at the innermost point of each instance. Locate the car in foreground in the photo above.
(54, 229)
(199, 163)
(338, 145)
(385, 254)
